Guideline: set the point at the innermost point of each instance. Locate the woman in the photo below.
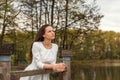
(44, 54)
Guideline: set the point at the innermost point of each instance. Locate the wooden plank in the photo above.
(18, 74)
(65, 53)
(1, 77)
(15, 75)
(5, 70)
(6, 49)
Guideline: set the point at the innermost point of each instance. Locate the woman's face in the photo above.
(49, 33)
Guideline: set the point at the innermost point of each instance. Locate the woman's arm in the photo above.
(59, 67)
(36, 56)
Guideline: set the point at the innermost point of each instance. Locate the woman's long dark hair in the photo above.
(39, 37)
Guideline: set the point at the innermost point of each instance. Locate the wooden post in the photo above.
(5, 57)
(66, 58)
(5, 70)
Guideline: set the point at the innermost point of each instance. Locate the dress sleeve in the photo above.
(56, 51)
(36, 56)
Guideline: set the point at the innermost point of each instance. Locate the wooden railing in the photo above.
(15, 75)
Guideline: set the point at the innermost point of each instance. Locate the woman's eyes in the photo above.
(51, 31)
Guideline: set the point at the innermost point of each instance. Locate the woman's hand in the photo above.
(59, 67)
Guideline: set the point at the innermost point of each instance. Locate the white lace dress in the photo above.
(41, 55)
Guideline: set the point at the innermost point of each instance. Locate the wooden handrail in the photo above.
(15, 75)
(18, 74)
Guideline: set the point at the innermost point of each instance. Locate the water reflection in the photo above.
(101, 72)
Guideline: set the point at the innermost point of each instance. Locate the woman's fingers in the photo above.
(60, 67)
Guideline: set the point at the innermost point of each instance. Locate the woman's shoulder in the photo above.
(36, 43)
(55, 45)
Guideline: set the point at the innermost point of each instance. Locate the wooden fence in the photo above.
(15, 75)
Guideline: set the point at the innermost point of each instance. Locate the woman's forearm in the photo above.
(48, 66)
(59, 67)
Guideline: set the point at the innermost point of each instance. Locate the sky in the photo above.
(111, 11)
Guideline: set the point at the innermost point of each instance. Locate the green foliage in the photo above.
(98, 45)
(22, 41)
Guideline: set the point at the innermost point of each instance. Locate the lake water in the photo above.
(108, 71)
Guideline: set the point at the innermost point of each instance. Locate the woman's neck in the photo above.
(47, 44)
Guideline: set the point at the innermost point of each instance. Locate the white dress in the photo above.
(41, 55)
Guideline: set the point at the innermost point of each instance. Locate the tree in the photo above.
(8, 15)
(85, 18)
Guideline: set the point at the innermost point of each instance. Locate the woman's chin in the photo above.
(53, 38)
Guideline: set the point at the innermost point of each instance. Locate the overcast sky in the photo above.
(111, 11)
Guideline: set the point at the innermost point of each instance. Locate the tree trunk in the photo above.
(52, 11)
(65, 30)
(40, 14)
(4, 23)
(37, 23)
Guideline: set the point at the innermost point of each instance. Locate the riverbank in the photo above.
(97, 62)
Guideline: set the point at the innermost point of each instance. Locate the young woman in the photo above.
(44, 54)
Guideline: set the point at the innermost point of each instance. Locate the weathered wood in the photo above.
(5, 56)
(29, 72)
(5, 70)
(6, 49)
(1, 76)
(17, 74)
(67, 74)
(65, 53)
(66, 58)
